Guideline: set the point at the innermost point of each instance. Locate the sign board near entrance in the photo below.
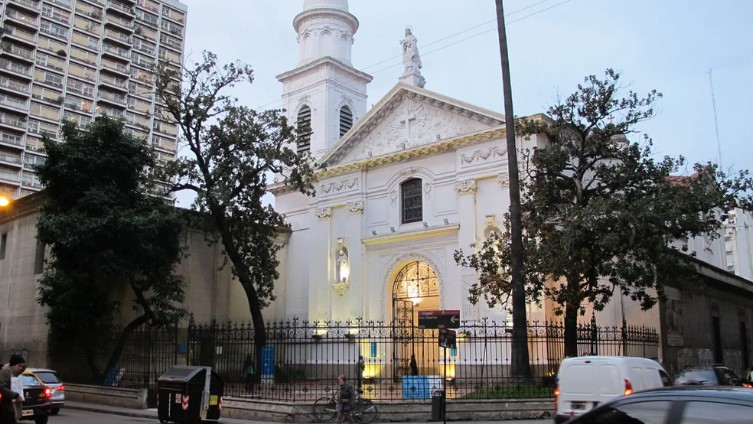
(447, 338)
(435, 319)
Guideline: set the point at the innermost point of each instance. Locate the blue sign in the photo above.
(268, 361)
(373, 350)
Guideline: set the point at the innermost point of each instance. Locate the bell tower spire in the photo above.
(324, 92)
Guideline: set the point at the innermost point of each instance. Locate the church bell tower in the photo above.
(324, 92)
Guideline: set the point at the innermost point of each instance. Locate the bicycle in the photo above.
(364, 410)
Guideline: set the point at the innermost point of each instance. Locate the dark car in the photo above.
(676, 405)
(37, 403)
(50, 379)
(715, 375)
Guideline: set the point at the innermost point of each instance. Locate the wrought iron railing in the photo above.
(302, 360)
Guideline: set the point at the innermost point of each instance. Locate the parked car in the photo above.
(714, 375)
(50, 379)
(676, 405)
(37, 404)
(585, 382)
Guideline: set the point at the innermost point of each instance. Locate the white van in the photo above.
(587, 381)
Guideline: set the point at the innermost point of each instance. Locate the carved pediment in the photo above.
(407, 119)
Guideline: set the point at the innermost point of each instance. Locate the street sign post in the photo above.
(442, 320)
(435, 319)
(447, 338)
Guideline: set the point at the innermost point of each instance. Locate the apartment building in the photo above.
(75, 59)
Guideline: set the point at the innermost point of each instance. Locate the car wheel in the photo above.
(40, 419)
(55, 411)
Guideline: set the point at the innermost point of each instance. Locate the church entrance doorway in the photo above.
(415, 288)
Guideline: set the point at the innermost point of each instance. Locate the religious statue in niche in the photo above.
(342, 268)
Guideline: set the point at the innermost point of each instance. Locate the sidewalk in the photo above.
(152, 413)
(139, 413)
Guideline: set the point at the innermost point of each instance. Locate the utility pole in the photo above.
(520, 365)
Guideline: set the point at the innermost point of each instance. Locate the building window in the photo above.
(3, 244)
(39, 259)
(346, 120)
(411, 201)
(304, 126)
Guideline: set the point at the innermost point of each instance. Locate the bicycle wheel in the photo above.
(325, 409)
(365, 411)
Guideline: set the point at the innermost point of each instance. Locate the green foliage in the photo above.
(232, 153)
(107, 234)
(600, 213)
(518, 391)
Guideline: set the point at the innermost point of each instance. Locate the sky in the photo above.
(667, 45)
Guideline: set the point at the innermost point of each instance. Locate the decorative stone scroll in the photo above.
(503, 180)
(323, 213)
(336, 186)
(465, 187)
(483, 154)
(355, 207)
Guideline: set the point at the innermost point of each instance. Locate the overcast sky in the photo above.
(669, 45)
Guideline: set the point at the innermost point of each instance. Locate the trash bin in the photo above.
(190, 395)
(438, 405)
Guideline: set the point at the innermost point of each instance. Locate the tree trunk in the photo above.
(571, 330)
(520, 364)
(91, 361)
(123, 338)
(260, 334)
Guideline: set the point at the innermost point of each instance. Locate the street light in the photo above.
(4, 201)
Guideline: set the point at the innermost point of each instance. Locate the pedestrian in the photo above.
(10, 403)
(345, 398)
(750, 375)
(249, 372)
(360, 366)
(413, 365)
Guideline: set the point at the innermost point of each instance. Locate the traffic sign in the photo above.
(447, 338)
(435, 319)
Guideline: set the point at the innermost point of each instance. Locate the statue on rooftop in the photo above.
(411, 58)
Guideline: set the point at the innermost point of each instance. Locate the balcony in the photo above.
(10, 176)
(120, 7)
(14, 86)
(112, 98)
(111, 82)
(21, 35)
(118, 37)
(7, 159)
(15, 68)
(14, 103)
(117, 67)
(29, 21)
(17, 52)
(12, 121)
(116, 51)
(126, 24)
(14, 140)
(28, 5)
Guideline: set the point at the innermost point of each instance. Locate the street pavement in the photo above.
(123, 415)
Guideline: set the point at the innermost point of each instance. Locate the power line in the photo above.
(494, 28)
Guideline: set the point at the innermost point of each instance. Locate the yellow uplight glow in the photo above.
(4, 201)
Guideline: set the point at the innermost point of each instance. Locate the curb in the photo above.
(136, 413)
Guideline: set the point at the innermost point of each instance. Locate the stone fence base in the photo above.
(284, 412)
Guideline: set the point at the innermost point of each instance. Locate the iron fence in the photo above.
(302, 359)
(147, 354)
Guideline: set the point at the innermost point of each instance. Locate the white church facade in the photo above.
(404, 185)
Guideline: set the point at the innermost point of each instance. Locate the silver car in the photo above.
(51, 380)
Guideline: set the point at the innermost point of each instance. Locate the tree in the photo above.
(601, 215)
(233, 151)
(107, 233)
